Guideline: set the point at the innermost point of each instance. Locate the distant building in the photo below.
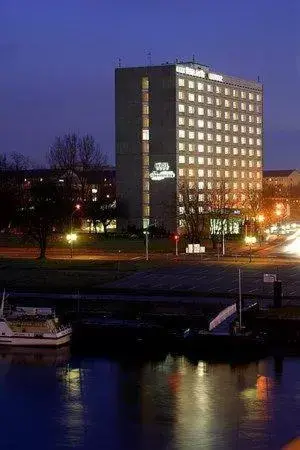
(178, 123)
(282, 177)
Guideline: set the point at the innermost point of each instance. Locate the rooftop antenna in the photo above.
(119, 62)
(258, 78)
(193, 59)
(149, 58)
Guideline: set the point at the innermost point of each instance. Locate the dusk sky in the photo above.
(58, 59)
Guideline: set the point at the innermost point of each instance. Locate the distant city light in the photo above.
(71, 237)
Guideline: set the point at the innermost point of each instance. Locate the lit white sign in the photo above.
(198, 73)
(215, 77)
(161, 171)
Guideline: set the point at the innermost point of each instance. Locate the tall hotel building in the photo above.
(184, 123)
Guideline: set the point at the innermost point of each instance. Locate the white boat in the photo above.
(32, 327)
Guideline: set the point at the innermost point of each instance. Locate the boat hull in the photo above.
(35, 342)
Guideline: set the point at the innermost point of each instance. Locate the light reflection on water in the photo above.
(97, 403)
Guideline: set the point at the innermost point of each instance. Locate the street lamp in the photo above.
(146, 233)
(71, 235)
(250, 240)
(176, 238)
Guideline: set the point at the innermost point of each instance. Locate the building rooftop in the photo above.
(278, 173)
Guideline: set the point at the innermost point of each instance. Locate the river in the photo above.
(63, 402)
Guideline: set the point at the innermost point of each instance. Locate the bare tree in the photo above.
(18, 162)
(63, 153)
(192, 212)
(90, 155)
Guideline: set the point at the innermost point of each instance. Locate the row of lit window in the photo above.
(191, 97)
(217, 161)
(227, 174)
(145, 149)
(200, 123)
(201, 185)
(200, 135)
(219, 89)
(218, 149)
(191, 109)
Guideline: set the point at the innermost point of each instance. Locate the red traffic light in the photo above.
(176, 237)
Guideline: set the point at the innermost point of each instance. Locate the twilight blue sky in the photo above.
(57, 60)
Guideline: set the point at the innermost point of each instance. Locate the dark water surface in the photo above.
(101, 403)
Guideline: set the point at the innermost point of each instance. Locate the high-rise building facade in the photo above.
(180, 123)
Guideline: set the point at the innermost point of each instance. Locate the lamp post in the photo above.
(71, 237)
(176, 238)
(146, 233)
(250, 240)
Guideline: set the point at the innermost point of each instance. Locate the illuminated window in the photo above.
(200, 160)
(209, 88)
(191, 172)
(258, 153)
(181, 159)
(191, 84)
(227, 138)
(191, 97)
(242, 174)
(226, 150)
(251, 107)
(243, 106)
(200, 148)
(235, 116)
(234, 162)
(200, 173)
(201, 197)
(235, 151)
(243, 163)
(235, 127)
(243, 128)
(200, 111)
(218, 161)
(250, 185)
(200, 135)
(145, 135)
(191, 160)
(181, 146)
(145, 83)
(250, 175)
(209, 100)
(209, 124)
(243, 187)
(234, 104)
(181, 108)
(227, 115)
(209, 185)
(218, 113)
(191, 122)
(209, 161)
(218, 90)
(258, 141)
(251, 96)
(235, 93)
(181, 120)
(218, 126)
(200, 86)
(200, 98)
(191, 109)
(258, 130)
(219, 137)
(180, 81)
(209, 137)
(226, 173)
(226, 161)
(200, 123)
(218, 173)
(235, 139)
(227, 103)
(227, 91)
(209, 173)
(181, 95)
(145, 121)
(257, 109)
(209, 149)
(145, 109)
(250, 118)
(243, 94)
(201, 185)
(258, 186)
(258, 163)
(181, 133)
(191, 135)
(145, 97)
(181, 172)
(243, 117)
(243, 152)
(250, 141)
(218, 149)
(258, 97)
(191, 184)
(218, 102)
(243, 140)
(235, 185)
(191, 147)
(210, 112)
(251, 152)
(227, 126)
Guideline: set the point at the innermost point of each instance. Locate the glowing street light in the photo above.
(71, 238)
(260, 218)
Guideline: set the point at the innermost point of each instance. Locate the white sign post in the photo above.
(270, 277)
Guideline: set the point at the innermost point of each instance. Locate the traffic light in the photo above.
(176, 237)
